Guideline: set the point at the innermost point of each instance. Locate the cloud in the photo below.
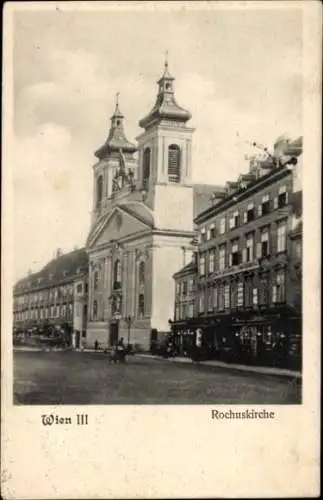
(231, 78)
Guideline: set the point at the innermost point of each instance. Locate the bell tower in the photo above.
(165, 170)
(116, 165)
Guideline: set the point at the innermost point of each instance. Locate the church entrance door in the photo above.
(114, 332)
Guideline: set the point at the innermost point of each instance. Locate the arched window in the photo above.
(99, 190)
(141, 273)
(117, 274)
(174, 163)
(146, 167)
(141, 305)
(95, 310)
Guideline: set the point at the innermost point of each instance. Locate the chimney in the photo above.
(58, 253)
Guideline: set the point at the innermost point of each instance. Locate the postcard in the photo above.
(161, 263)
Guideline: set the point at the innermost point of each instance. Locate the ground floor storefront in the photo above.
(268, 338)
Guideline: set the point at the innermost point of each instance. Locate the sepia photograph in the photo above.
(158, 173)
(160, 305)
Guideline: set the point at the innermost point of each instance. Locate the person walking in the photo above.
(121, 351)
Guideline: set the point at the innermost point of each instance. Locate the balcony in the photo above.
(228, 271)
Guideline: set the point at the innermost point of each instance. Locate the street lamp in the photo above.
(129, 321)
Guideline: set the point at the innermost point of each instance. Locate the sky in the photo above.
(236, 71)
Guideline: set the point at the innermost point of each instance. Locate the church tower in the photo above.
(116, 167)
(164, 166)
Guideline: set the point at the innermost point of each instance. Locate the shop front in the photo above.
(268, 339)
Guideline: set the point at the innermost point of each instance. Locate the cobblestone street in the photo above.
(69, 377)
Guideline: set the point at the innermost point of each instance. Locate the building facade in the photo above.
(245, 275)
(55, 298)
(142, 223)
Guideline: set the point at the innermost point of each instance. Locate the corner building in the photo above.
(246, 275)
(142, 222)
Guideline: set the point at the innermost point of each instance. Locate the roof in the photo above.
(117, 138)
(202, 196)
(241, 193)
(190, 268)
(64, 268)
(165, 106)
(168, 109)
(138, 210)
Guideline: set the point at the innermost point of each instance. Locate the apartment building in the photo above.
(54, 298)
(245, 273)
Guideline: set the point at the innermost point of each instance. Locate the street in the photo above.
(68, 377)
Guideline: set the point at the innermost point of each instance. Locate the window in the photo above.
(99, 190)
(177, 312)
(146, 167)
(78, 288)
(264, 242)
(255, 296)
(222, 226)
(178, 289)
(211, 261)
(117, 274)
(240, 300)
(235, 254)
(233, 294)
(234, 221)
(191, 309)
(249, 247)
(202, 264)
(282, 197)
(184, 288)
(248, 293)
(221, 297)
(212, 231)
(141, 273)
(203, 235)
(264, 295)
(264, 208)
(95, 310)
(210, 299)
(278, 291)
(227, 296)
(250, 213)
(281, 236)
(201, 302)
(215, 298)
(174, 168)
(141, 305)
(222, 257)
(298, 249)
(190, 286)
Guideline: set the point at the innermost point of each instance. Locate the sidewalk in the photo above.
(265, 370)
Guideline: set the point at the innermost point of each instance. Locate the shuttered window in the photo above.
(174, 167)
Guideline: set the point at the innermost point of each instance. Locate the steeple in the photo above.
(166, 106)
(116, 140)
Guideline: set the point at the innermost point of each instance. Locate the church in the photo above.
(142, 230)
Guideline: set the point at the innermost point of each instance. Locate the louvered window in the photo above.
(174, 167)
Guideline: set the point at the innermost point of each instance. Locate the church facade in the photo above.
(142, 223)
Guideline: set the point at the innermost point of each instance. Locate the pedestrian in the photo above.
(121, 351)
(96, 345)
